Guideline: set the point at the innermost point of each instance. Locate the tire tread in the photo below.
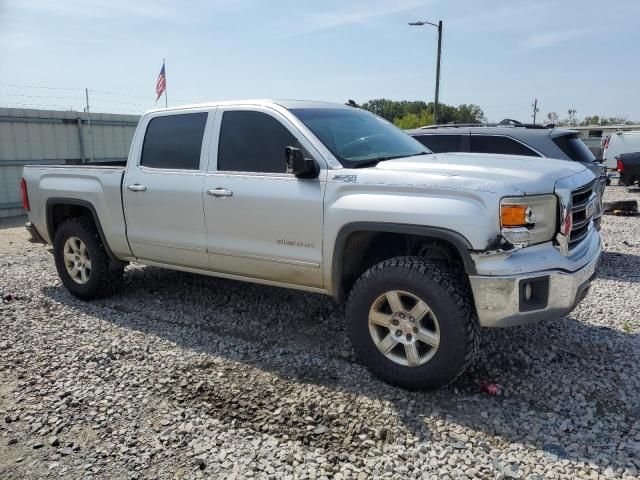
(452, 284)
(110, 278)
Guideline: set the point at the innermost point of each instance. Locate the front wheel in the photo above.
(413, 323)
(82, 261)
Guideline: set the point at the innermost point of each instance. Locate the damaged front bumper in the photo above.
(534, 283)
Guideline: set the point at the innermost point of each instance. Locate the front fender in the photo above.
(466, 219)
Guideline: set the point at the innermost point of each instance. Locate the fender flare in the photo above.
(52, 202)
(461, 244)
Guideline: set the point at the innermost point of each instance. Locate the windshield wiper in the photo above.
(375, 161)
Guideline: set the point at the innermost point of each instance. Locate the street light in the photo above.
(439, 27)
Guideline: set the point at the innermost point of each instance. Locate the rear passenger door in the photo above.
(162, 191)
(500, 144)
(262, 222)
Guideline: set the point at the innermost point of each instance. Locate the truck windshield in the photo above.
(358, 138)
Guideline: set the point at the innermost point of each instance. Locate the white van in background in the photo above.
(618, 143)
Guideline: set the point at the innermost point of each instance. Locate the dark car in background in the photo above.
(629, 167)
(511, 137)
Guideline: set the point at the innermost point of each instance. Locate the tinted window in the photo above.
(174, 141)
(357, 137)
(441, 143)
(253, 142)
(575, 148)
(501, 145)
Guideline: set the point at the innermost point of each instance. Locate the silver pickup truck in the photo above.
(335, 200)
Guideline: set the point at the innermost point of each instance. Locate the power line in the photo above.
(36, 105)
(103, 92)
(13, 85)
(39, 96)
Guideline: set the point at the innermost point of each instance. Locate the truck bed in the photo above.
(95, 187)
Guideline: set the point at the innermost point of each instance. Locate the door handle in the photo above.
(220, 192)
(136, 187)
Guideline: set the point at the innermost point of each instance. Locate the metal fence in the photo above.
(56, 137)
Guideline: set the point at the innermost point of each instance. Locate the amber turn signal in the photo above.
(513, 215)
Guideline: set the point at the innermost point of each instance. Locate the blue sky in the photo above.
(497, 54)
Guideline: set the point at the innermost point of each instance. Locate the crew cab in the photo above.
(425, 248)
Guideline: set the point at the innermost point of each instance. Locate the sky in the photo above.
(500, 55)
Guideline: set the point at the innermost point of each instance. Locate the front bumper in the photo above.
(501, 300)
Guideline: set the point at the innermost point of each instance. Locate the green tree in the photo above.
(591, 120)
(469, 114)
(553, 118)
(399, 110)
(414, 120)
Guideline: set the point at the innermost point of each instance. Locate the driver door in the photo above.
(262, 222)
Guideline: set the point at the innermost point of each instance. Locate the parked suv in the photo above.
(335, 200)
(511, 137)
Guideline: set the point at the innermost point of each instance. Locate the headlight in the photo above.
(528, 220)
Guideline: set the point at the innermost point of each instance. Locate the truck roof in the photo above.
(285, 103)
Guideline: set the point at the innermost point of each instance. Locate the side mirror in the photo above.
(299, 166)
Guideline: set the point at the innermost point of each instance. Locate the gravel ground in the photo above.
(183, 376)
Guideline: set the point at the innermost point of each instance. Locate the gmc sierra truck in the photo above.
(328, 198)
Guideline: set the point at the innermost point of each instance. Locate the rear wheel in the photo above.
(82, 261)
(413, 323)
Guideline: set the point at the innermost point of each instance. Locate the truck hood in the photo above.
(489, 172)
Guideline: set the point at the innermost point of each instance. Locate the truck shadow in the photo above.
(621, 267)
(567, 389)
(12, 222)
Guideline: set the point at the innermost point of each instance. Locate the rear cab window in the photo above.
(174, 141)
(501, 145)
(574, 148)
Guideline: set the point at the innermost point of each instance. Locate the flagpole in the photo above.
(166, 103)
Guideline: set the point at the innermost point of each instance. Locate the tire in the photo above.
(102, 278)
(625, 180)
(450, 303)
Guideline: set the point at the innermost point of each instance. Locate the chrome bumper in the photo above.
(501, 300)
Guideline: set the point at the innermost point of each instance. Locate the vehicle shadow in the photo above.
(621, 267)
(12, 222)
(565, 389)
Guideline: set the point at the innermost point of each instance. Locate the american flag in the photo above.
(162, 83)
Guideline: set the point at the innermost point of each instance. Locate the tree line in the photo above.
(413, 114)
(408, 114)
(572, 120)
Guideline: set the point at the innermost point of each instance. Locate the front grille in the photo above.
(580, 199)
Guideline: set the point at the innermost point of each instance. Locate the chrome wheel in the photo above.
(404, 328)
(76, 260)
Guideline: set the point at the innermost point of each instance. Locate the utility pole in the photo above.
(437, 96)
(86, 92)
(435, 107)
(535, 110)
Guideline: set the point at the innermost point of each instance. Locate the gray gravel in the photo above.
(182, 376)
